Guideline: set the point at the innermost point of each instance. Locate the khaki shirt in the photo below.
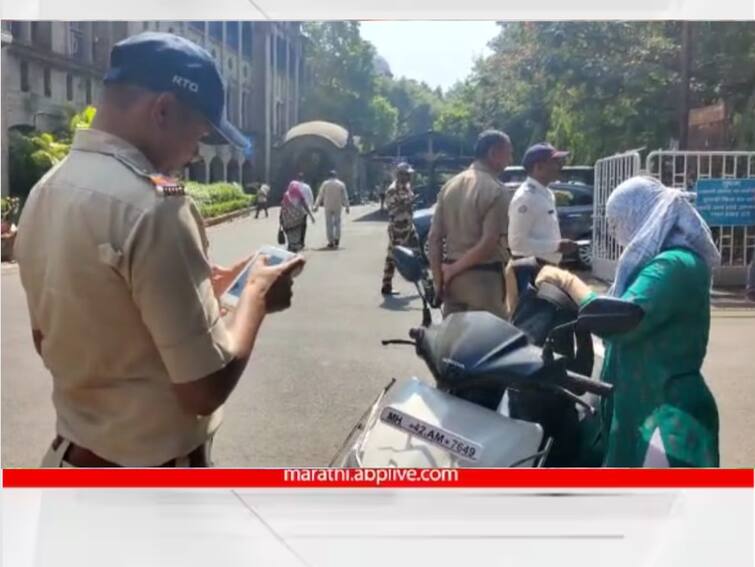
(332, 195)
(118, 281)
(466, 204)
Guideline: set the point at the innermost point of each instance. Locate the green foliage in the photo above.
(339, 67)
(31, 155)
(418, 106)
(82, 120)
(10, 207)
(218, 209)
(384, 118)
(218, 198)
(343, 87)
(601, 87)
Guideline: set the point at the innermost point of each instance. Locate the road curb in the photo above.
(229, 217)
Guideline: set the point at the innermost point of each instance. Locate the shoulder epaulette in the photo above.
(163, 184)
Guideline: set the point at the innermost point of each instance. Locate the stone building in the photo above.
(52, 69)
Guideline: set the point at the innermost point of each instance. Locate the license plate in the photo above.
(451, 442)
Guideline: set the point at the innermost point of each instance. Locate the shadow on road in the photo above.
(326, 249)
(374, 216)
(400, 303)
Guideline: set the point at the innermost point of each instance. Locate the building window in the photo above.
(25, 77)
(246, 39)
(171, 30)
(89, 91)
(199, 26)
(48, 82)
(246, 71)
(230, 63)
(146, 25)
(69, 87)
(216, 31)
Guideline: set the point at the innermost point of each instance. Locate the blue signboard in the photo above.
(726, 202)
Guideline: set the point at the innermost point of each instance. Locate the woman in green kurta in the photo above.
(661, 413)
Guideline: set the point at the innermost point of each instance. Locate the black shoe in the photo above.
(389, 291)
(337, 243)
(330, 245)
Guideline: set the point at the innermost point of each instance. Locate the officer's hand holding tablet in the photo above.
(271, 272)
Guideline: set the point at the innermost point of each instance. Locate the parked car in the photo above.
(584, 174)
(574, 203)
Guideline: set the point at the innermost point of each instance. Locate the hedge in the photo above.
(218, 199)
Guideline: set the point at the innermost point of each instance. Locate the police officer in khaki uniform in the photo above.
(471, 215)
(113, 259)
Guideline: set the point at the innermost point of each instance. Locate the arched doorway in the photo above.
(313, 149)
(233, 173)
(198, 171)
(217, 171)
(247, 173)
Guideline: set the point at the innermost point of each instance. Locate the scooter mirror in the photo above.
(407, 264)
(609, 316)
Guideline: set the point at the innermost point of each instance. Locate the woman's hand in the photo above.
(571, 284)
(555, 276)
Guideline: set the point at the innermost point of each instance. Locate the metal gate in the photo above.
(609, 173)
(682, 169)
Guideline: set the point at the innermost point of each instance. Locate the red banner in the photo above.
(378, 478)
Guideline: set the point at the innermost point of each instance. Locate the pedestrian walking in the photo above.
(293, 215)
(262, 194)
(335, 198)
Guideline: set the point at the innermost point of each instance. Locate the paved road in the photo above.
(317, 366)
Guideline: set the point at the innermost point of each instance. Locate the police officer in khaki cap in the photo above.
(113, 258)
(472, 217)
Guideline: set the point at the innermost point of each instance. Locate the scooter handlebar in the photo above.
(578, 382)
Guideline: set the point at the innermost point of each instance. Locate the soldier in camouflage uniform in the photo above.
(398, 202)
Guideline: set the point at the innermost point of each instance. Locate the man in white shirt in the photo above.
(334, 197)
(533, 220)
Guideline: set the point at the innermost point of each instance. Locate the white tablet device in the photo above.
(275, 256)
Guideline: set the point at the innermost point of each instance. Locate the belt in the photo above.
(84, 458)
(490, 267)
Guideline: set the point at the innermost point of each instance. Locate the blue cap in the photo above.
(541, 152)
(164, 62)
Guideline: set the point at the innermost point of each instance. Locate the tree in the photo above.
(601, 87)
(417, 104)
(384, 119)
(341, 77)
